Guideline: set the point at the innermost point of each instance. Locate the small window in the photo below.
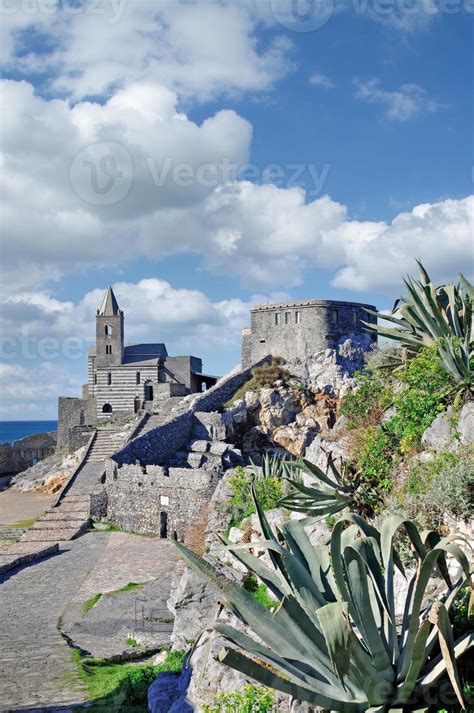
(262, 341)
(95, 378)
(109, 378)
(297, 317)
(335, 316)
(108, 330)
(277, 318)
(137, 377)
(287, 317)
(108, 349)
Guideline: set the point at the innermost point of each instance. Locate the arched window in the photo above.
(137, 377)
(95, 378)
(108, 349)
(108, 330)
(109, 378)
(106, 408)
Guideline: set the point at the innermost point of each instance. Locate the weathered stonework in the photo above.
(16, 457)
(297, 329)
(154, 501)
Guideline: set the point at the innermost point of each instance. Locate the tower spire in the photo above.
(109, 306)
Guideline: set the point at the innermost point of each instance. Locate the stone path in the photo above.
(36, 669)
(104, 629)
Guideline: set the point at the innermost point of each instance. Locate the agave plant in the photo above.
(273, 466)
(329, 497)
(435, 316)
(333, 640)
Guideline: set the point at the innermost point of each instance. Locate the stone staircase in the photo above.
(106, 442)
(70, 517)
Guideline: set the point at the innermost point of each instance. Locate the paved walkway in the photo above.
(35, 662)
(104, 629)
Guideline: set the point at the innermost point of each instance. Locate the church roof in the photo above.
(109, 306)
(139, 354)
(144, 354)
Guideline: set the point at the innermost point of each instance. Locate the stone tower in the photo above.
(109, 332)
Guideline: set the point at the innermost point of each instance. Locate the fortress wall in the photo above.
(16, 457)
(140, 499)
(74, 413)
(298, 329)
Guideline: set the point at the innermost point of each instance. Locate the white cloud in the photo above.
(318, 79)
(404, 103)
(263, 234)
(197, 49)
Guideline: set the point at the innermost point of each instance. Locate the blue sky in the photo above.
(358, 134)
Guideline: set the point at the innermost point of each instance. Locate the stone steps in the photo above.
(59, 534)
(24, 552)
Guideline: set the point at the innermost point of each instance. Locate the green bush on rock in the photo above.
(248, 699)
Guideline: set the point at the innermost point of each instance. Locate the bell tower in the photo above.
(109, 332)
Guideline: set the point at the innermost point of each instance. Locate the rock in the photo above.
(254, 442)
(209, 426)
(465, 425)
(440, 436)
(163, 692)
(232, 457)
(57, 467)
(220, 513)
(450, 431)
(193, 604)
(218, 448)
(275, 517)
(238, 412)
(277, 408)
(236, 535)
(195, 460)
(252, 400)
(332, 370)
(199, 446)
(293, 438)
(319, 448)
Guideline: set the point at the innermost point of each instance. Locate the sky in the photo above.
(203, 156)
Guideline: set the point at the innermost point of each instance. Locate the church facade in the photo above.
(127, 378)
(130, 378)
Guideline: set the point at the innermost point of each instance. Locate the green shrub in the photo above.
(267, 374)
(422, 398)
(375, 455)
(270, 491)
(367, 404)
(443, 486)
(249, 699)
(260, 592)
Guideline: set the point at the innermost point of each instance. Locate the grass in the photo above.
(133, 643)
(120, 687)
(25, 523)
(91, 603)
(127, 588)
(110, 527)
(250, 385)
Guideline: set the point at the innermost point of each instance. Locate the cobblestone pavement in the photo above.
(35, 662)
(104, 629)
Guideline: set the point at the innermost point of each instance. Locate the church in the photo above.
(126, 379)
(129, 378)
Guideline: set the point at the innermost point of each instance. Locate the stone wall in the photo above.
(16, 457)
(147, 500)
(298, 329)
(159, 444)
(73, 412)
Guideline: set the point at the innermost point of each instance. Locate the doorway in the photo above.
(163, 525)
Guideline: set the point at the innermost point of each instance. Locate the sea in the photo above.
(13, 430)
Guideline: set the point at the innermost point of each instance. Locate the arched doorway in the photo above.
(148, 392)
(163, 524)
(106, 408)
